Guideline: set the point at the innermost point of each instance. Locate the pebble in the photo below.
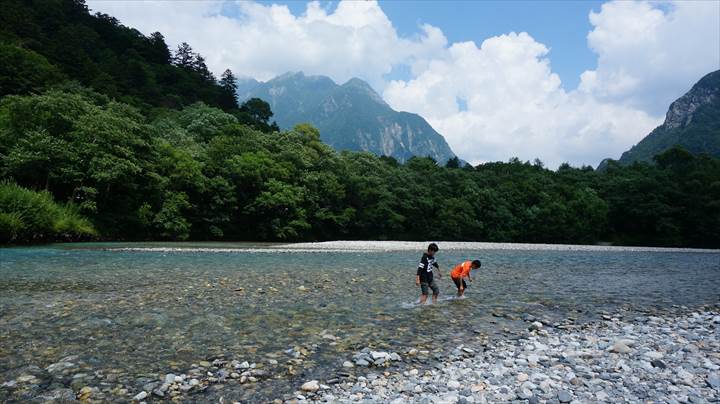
(612, 361)
(564, 396)
(140, 396)
(311, 386)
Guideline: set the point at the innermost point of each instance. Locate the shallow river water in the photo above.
(134, 312)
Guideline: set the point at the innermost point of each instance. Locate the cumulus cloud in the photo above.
(501, 99)
(356, 39)
(649, 52)
(515, 106)
(491, 102)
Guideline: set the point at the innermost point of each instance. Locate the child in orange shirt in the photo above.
(462, 272)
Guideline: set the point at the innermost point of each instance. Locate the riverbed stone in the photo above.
(311, 386)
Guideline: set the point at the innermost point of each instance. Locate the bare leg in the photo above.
(434, 298)
(423, 299)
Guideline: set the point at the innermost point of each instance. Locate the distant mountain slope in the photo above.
(692, 121)
(351, 116)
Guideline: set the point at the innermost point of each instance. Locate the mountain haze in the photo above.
(692, 121)
(351, 116)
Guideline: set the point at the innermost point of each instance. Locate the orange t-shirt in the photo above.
(461, 270)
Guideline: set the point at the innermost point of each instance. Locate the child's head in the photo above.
(432, 249)
(476, 264)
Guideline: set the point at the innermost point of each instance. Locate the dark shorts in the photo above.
(425, 288)
(457, 283)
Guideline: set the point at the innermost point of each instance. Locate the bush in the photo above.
(27, 215)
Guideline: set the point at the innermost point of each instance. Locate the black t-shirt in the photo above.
(425, 268)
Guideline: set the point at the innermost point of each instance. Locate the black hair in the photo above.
(433, 247)
(477, 263)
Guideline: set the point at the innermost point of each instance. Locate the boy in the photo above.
(462, 271)
(424, 277)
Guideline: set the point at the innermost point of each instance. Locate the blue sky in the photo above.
(562, 81)
(560, 25)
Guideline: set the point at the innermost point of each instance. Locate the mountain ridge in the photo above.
(350, 116)
(692, 122)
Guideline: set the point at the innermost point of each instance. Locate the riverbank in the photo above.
(103, 323)
(673, 359)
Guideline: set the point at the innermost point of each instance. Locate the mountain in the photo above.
(351, 116)
(692, 121)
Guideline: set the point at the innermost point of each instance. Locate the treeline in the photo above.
(43, 42)
(200, 174)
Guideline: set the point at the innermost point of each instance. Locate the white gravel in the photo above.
(671, 360)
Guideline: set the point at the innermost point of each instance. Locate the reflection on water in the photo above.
(139, 315)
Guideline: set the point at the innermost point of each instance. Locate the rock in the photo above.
(685, 376)
(362, 362)
(657, 363)
(58, 395)
(205, 364)
(140, 396)
(379, 355)
(652, 355)
(311, 386)
(564, 396)
(453, 385)
(169, 378)
(348, 364)
(620, 347)
(713, 381)
(535, 325)
(522, 377)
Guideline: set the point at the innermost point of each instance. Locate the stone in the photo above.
(140, 396)
(205, 364)
(58, 395)
(713, 381)
(652, 355)
(620, 347)
(169, 378)
(348, 364)
(453, 385)
(535, 325)
(564, 396)
(657, 363)
(379, 355)
(522, 377)
(311, 386)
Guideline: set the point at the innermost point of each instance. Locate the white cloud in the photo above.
(650, 53)
(515, 106)
(491, 102)
(354, 40)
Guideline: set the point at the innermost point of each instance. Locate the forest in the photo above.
(106, 134)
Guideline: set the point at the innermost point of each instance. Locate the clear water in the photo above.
(141, 314)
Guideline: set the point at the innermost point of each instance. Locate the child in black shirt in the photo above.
(424, 277)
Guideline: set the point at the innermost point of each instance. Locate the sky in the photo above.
(562, 81)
